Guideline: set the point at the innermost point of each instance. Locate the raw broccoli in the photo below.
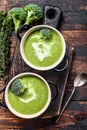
(34, 12)
(18, 15)
(45, 34)
(17, 87)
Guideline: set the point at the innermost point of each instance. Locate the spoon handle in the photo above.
(58, 118)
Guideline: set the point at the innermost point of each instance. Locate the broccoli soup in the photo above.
(43, 48)
(28, 94)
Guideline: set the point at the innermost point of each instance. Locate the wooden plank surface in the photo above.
(69, 5)
(75, 117)
(74, 30)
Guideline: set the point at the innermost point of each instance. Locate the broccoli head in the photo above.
(45, 34)
(34, 12)
(18, 15)
(17, 87)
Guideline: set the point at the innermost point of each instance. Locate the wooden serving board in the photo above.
(59, 78)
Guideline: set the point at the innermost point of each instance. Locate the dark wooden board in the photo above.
(59, 78)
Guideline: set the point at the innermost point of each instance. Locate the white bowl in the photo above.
(22, 48)
(23, 115)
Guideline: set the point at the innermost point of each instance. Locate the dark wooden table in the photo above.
(74, 30)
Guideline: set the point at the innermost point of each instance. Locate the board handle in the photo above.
(52, 16)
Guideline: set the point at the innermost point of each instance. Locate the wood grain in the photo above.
(76, 113)
(69, 5)
(74, 20)
(74, 30)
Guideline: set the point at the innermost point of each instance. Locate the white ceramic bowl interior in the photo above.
(22, 115)
(22, 48)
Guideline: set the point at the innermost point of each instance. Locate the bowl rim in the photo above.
(27, 116)
(38, 67)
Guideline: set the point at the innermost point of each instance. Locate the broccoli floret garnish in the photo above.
(17, 87)
(45, 34)
(18, 15)
(34, 12)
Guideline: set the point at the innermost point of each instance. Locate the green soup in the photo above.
(40, 52)
(33, 99)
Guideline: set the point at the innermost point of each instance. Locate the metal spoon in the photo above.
(80, 80)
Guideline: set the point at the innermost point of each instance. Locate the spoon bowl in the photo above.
(80, 79)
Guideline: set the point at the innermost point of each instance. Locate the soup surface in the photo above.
(40, 52)
(33, 99)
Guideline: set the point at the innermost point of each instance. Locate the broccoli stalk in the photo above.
(18, 15)
(17, 23)
(17, 87)
(45, 34)
(34, 12)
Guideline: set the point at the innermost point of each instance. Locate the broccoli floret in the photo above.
(34, 12)
(45, 34)
(18, 15)
(17, 87)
